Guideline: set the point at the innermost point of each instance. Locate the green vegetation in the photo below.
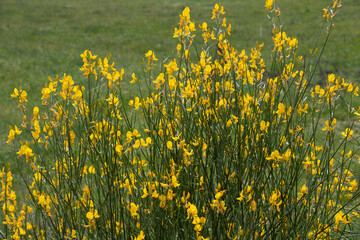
(213, 142)
(44, 38)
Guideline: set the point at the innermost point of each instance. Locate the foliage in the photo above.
(214, 146)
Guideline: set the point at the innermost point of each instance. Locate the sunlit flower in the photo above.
(268, 4)
(348, 133)
(133, 210)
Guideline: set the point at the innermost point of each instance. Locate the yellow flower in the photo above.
(37, 176)
(149, 53)
(330, 127)
(171, 67)
(119, 148)
(264, 125)
(155, 194)
(45, 93)
(331, 78)
(174, 182)
(336, 4)
(253, 205)
(219, 194)
(197, 228)
(170, 195)
(23, 96)
(186, 12)
(113, 100)
(304, 189)
(133, 78)
(133, 210)
(16, 93)
(185, 198)
(137, 103)
(268, 4)
(241, 196)
(137, 144)
(228, 123)
(191, 210)
(159, 80)
(25, 150)
(19, 93)
(353, 185)
(92, 169)
(281, 109)
(340, 217)
(218, 9)
(42, 200)
(90, 215)
(275, 155)
(73, 233)
(12, 133)
(28, 226)
(348, 133)
(326, 14)
(169, 145)
(274, 199)
(141, 236)
(198, 220)
(145, 193)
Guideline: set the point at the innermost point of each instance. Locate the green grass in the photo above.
(45, 38)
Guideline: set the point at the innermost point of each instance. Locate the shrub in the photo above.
(215, 145)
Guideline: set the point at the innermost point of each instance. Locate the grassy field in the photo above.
(45, 38)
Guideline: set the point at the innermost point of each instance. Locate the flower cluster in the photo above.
(220, 145)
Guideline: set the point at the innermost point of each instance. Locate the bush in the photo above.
(215, 146)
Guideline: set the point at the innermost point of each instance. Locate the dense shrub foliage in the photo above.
(215, 145)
